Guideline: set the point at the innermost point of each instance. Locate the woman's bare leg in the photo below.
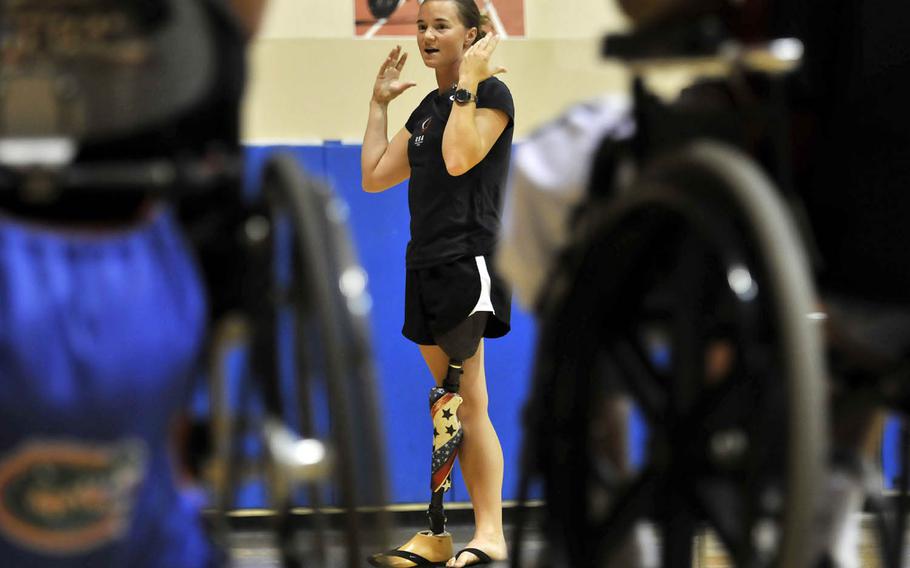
(480, 456)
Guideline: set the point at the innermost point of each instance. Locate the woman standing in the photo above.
(455, 148)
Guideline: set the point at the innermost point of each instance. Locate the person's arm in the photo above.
(384, 164)
(471, 132)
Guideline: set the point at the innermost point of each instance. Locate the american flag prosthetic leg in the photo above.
(433, 547)
(447, 437)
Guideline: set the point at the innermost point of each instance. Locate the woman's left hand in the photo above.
(475, 67)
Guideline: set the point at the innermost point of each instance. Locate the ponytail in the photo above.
(481, 31)
(470, 16)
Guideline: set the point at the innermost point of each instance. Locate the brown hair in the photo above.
(470, 16)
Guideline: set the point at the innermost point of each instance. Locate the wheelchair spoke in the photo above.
(751, 536)
(630, 506)
(718, 499)
(689, 345)
(678, 530)
(722, 408)
(640, 378)
(722, 400)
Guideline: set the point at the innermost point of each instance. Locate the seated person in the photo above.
(852, 158)
(103, 312)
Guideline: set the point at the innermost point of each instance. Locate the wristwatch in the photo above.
(464, 96)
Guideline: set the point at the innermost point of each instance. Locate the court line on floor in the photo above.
(396, 508)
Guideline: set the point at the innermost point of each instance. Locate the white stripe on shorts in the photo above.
(484, 303)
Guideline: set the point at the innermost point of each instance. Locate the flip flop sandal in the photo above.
(482, 557)
(418, 560)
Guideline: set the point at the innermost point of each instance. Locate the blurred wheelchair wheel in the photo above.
(688, 296)
(320, 447)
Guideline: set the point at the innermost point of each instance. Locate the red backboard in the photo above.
(506, 16)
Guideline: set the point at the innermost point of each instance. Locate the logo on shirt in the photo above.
(418, 140)
(69, 497)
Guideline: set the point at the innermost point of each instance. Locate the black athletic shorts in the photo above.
(438, 298)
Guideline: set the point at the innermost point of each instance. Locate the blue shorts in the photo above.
(100, 338)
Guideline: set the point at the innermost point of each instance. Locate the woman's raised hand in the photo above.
(475, 67)
(388, 84)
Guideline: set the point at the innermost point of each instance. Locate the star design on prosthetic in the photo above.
(445, 419)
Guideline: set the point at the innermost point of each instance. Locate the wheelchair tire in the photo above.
(699, 258)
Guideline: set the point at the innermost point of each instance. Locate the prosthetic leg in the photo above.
(434, 546)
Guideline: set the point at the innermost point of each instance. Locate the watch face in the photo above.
(462, 96)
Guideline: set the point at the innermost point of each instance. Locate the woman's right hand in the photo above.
(388, 84)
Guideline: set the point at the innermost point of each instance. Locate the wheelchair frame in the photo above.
(691, 173)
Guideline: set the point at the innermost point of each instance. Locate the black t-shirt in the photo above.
(453, 217)
(855, 86)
